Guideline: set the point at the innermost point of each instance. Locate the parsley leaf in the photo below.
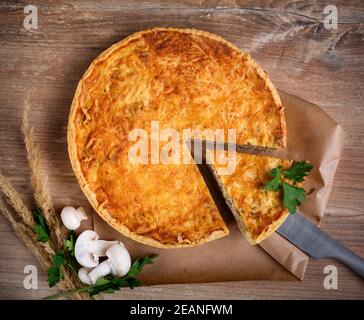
(112, 284)
(62, 260)
(69, 252)
(55, 272)
(274, 184)
(298, 171)
(138, 265)
(69, 244)
(42, 235)
(41, 228)
(293, 196)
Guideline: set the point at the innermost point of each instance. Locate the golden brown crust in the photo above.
(159, 71)
(258, 213)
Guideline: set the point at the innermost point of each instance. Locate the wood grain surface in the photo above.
(287, 38)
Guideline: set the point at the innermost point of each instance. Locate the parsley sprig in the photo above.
(63, 259)
(110, 284)
(60, 260)
(55, 272)
(293, 196)
(41, 229)
(69, 243)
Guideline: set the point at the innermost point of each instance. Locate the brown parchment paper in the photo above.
(313, 136)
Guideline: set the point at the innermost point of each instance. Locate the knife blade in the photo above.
(317, 243)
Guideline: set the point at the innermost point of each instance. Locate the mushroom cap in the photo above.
(83, 249)
(119, 260)
(69, 218)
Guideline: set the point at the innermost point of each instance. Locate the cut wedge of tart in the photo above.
(257, 212)
(181, 78)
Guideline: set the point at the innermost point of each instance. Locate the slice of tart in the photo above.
(257, 212)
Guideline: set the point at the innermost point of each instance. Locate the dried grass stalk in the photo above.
(21, 218)
(26, 234)
(13, 198)
(41, 195)
(42, 251)
(44, 202)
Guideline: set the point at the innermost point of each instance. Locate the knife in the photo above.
(296, 229)
(317, 243)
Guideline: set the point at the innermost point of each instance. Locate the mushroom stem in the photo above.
(88, 248)
(83, 275)
(102, 270)
(99, 247)
(81, 214)
(118, 264)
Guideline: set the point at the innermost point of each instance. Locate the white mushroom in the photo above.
(83, 275)
(89, 248)
(118, 264)
(72, 217)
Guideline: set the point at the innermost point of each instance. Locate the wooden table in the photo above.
(287, 38)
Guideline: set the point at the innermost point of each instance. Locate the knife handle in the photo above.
(337, 251)
(317, 243)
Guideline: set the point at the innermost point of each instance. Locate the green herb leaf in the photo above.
(133, 282)
(69, 244)
(41, 228)
(102, 281)
(274, 183)
(112, 284)
(69, 252)
(42, 235)
(55, 272)
(293, 196)
(138, 265)
(298, 171)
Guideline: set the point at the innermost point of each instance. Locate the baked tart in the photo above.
(182, 78)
